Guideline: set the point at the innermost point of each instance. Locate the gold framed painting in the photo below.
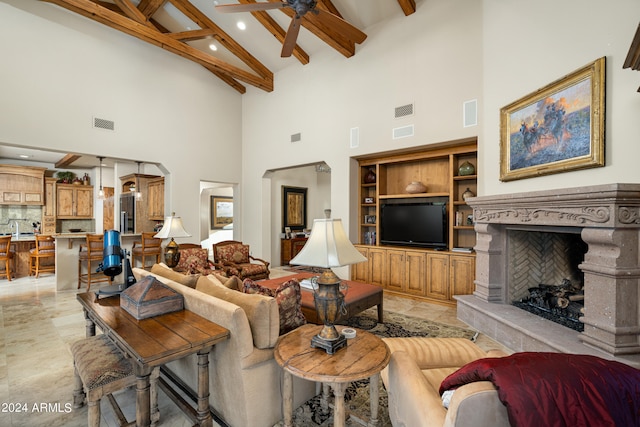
(221, 211)
(557, 128)
(294, 208)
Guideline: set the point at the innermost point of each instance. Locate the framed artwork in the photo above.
(294, 208)
(221, 211)
(558, 128)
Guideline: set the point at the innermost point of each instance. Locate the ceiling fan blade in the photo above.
(338, 24)
(291, 38)
(250, 7)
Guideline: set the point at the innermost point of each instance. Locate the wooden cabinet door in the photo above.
(84, 202)
(438, 276)
(395, 270)
(64, 201)
(360, 271)
(378, 266)
(415, 273)
(155, 202)
(462, 274)
(49, 208)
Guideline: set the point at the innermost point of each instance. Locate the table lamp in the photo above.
(328, 247)
(172, 228)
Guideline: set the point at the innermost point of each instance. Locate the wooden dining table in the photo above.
(153, 342)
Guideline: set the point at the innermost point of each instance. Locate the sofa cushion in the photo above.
(288, 297)
(237, 253)
(261, 311)
(184, 279)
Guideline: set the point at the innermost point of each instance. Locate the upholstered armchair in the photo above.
(412, 379)
(194, 259)
(232, 257)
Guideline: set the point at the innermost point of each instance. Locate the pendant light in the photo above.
(138, 193)
(100, 191)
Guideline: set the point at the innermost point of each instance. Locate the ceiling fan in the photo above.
(301, 7)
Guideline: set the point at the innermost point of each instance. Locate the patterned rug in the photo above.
(357, 394)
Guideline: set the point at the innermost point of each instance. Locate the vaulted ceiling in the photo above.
(188, 28)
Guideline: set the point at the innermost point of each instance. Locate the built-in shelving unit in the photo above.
(424, 273)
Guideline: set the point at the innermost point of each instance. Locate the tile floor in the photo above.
(37, 326)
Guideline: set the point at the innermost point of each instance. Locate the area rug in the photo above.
(357, 394)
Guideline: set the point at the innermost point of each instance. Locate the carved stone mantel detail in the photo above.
(608, 220)
(566, 217)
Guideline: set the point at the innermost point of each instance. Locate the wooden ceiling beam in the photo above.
(131, 11)
(187, 36)
(114, 20)
(408, 6)
(67, 160)
(149, 7)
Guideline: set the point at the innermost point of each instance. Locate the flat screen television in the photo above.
(414, 224)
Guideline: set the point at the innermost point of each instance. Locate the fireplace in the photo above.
(607, 220)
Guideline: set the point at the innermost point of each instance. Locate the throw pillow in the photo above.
(184, 279)
(232, 282)
(288, 297)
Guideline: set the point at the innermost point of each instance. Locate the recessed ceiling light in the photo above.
(24, 156)
(241, 25)
(213, 47)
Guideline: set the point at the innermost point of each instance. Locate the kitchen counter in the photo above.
(67, 254)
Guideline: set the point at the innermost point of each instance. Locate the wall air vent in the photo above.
(103, 124)
(296, 137)
(404, 111)
(403, 132)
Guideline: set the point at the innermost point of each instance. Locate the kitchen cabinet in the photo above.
(74, 201)
(155, 202)
(21, 185)
(49, 208)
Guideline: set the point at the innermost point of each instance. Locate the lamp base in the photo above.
(172, 254)
(330, 346)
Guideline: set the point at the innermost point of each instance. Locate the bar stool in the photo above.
(91, 252)
(45, 250)
(6, 255)
(148, 247)
(101, 369)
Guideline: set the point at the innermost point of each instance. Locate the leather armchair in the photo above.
(233, 258)
(413, 376)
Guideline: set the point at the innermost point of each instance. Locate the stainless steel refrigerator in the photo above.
(127, 213)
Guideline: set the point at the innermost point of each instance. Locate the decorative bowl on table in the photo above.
(75, 230)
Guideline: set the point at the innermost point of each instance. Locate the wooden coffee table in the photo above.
(359, 297)
(363, 357)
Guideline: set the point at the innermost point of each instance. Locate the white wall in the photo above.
(527, 46)
(60, 69)
(432, 58)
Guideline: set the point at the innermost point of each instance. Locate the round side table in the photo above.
(363, 357)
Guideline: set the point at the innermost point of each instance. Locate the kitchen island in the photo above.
(67, 255)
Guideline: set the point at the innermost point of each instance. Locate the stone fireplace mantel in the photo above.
(607, 217)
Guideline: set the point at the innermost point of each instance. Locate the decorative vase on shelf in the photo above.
(467, 193)
(466, 169)
(370, 177)
(416, 187)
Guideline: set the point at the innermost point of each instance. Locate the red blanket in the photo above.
(555, 389)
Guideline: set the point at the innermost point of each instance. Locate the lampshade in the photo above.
(172, 228)
(328, 246)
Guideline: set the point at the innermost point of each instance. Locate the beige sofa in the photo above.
(245, 380)
(413, 377)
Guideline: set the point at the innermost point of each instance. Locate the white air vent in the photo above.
(296, 137)
(354, 137)
(470, 113)
(103, 124)
(403, 132)
(404, 111)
